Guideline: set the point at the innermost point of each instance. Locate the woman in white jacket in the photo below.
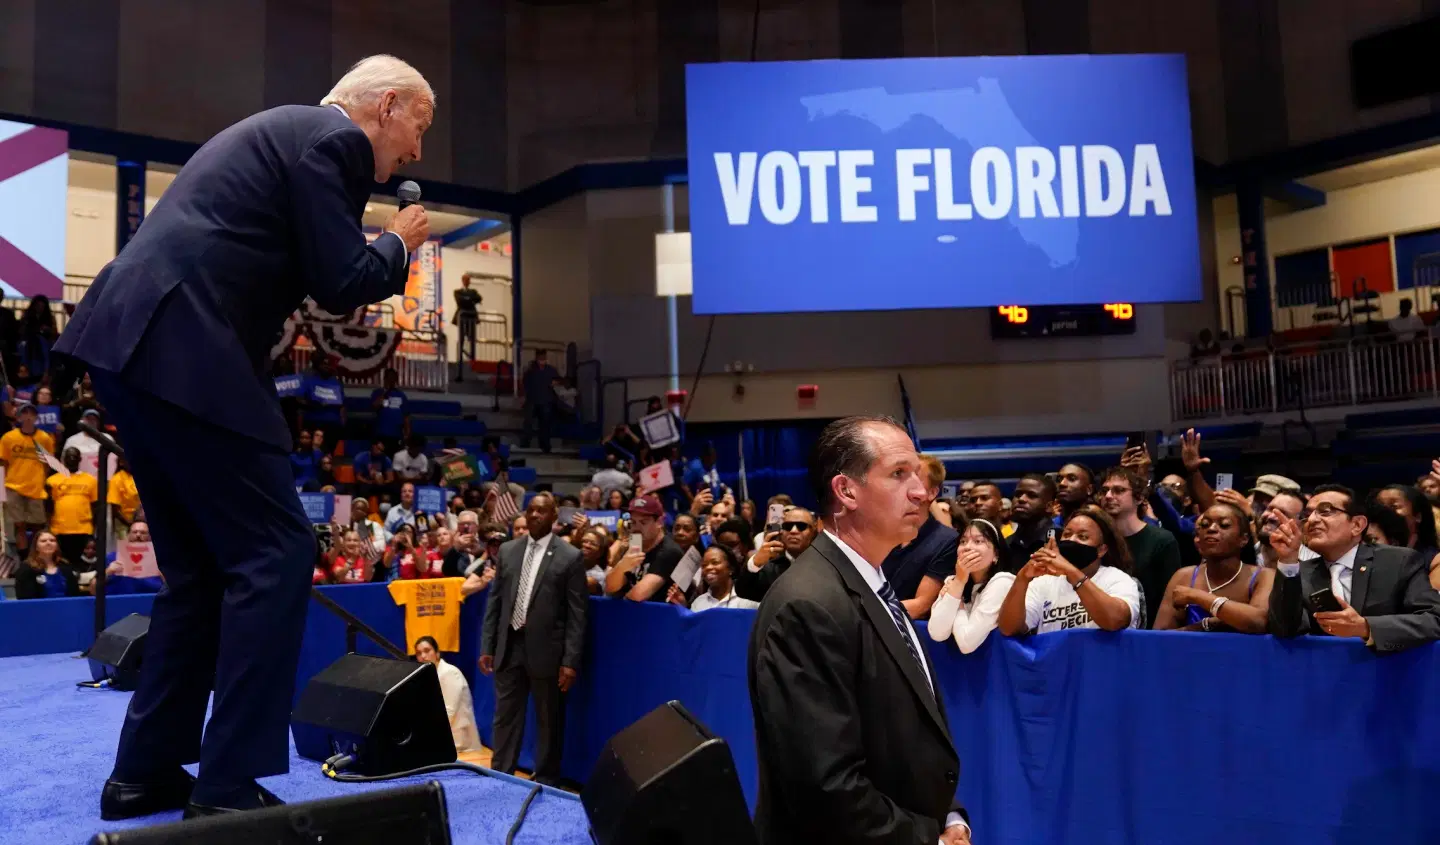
(456, 690)
(969, 602)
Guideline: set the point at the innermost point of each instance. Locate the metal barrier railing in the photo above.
(420, 362)
(1339, 373)
(492, 336)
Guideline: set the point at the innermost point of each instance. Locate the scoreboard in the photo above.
(1027, 321)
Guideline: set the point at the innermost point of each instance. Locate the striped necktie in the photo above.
(522, 595)
(901, 619)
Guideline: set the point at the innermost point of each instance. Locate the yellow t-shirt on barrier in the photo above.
(73, 495)
(24, 468)
(432, 608)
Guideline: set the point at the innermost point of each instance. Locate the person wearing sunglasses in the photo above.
(776, 554)
(1378, 594)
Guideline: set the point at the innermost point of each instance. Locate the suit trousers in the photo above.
(237, 554)
(514, 684)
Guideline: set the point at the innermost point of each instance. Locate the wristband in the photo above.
(1078, 584)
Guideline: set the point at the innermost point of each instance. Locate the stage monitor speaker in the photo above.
(666, 779)
(116, 653)
(410, 815)
(387, 714)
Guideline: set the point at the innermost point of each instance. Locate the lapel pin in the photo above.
(1362, 569)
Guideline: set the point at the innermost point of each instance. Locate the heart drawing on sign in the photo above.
(136, 557)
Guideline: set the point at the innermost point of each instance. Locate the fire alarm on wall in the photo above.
(805, 396)
(675, 399)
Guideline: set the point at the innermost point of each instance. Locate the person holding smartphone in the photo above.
(643, 571)
(1379, 595)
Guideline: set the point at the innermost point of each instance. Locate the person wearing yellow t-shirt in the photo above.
(71, 517)
(25, 471)
(122, 496)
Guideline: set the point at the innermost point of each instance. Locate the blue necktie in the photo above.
(901, 619)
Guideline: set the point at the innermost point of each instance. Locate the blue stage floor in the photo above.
(57, 743)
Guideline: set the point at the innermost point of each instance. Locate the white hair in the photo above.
(374, 75)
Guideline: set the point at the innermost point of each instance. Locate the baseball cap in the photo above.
(1274, 485)
(25, 406)
(91, 412)
(647, 505)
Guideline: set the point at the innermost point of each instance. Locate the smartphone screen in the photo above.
(1135, 439)
(775, 515)
(635, 541)
(1224, 481)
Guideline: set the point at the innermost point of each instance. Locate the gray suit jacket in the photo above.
(1389, 586)
(555, 618)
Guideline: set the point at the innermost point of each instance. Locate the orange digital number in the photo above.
(1015, 313)
(1121, 310)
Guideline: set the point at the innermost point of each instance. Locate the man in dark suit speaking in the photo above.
(177, 333)
(534, 638)
(850, 730)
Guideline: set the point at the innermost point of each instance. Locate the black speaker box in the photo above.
(117, 651)
(387, 714)
(666, 779)
(410, 815)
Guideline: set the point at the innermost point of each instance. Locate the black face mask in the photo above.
(1079, 554)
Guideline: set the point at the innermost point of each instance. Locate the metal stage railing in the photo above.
(1354, 372)
(354, 626)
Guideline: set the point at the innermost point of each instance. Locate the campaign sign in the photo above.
(431, 499)
(47, 418)
(609, 519)
(939, 183)
(286, 386)
(319, 507)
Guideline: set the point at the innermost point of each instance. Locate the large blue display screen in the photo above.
(936, 183)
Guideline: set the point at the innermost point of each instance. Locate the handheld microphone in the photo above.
(409, 194)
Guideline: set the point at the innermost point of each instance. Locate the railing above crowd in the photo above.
(1355, 371)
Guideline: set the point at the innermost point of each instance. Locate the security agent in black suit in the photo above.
(1384, 592)
(176, 333)
(534, 638)
(850, 730)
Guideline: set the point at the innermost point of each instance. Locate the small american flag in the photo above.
(505, 507)
(9, 564)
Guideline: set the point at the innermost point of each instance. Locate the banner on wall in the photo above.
(34, 185)
(978, 181)
(421, 307)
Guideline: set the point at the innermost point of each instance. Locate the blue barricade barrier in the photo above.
(1080, 737)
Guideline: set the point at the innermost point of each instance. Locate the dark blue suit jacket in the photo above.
(266, 213)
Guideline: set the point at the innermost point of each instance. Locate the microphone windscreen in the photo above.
(408, 192)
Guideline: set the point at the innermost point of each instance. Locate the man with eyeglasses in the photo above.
(1154, 550)
(1383, 592)
(771, 560)
(1284, 505)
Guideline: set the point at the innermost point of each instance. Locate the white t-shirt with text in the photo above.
(1051, 604)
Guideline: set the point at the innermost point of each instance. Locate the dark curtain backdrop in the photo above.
(777, 455)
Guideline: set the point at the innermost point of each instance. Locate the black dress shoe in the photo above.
(122, 800)
(252, 797)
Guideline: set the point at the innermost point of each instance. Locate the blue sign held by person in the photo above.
(431, 499)
(319, 507)
(287, 386)
(609, 519)
(47, 418)
(940, 183)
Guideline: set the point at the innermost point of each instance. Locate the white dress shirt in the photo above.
(706, 601)
(873, 579)
(459, 706)
(534, 556)
(1341, 572)
(750, 562)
